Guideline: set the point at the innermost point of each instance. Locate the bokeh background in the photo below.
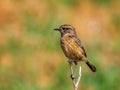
(30, 54)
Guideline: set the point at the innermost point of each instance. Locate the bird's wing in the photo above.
(77, 40)
(84, 51)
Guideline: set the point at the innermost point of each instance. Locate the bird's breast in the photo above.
(71, 49)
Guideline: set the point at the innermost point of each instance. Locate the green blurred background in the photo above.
(30, 54)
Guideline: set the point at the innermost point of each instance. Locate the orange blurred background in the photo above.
(30, 54)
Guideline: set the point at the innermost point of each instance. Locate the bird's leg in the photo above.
(72, 71)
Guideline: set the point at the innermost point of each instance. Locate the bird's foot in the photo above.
(72, 76)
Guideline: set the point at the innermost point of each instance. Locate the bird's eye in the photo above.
(63, 28)
(67, 28)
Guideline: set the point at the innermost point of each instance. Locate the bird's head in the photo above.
(66, 29)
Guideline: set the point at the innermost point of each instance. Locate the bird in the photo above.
(72, 46)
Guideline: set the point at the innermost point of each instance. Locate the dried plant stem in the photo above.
(75, 82)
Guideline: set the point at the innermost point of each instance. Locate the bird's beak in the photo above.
(56, 29)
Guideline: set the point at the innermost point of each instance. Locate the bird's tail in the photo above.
(92, 67)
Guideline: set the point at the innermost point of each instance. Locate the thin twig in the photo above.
(78, 79)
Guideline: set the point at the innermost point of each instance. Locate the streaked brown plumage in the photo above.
(71, 45)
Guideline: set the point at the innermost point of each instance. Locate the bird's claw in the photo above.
(72, 77)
